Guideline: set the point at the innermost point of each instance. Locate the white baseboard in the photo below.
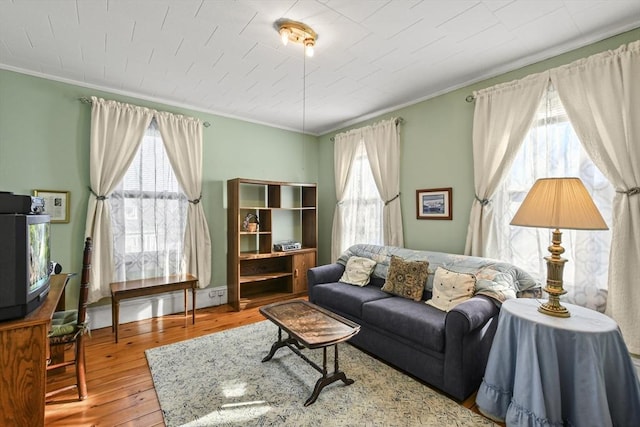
(141, 308)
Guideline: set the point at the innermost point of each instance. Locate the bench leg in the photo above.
(186, 296)
(116, 317)
(193, 306)
(113, 314)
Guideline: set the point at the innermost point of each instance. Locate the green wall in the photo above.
(437, 152)
(44, 144)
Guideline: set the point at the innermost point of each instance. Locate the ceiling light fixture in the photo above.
(297, 32)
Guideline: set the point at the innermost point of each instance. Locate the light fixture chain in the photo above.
(304, 90)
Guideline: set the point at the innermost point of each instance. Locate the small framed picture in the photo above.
(56, 204)
(434, 203)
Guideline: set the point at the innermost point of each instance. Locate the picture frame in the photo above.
(434, 203)
(56, 204)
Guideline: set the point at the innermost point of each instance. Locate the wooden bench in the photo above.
(150, 286)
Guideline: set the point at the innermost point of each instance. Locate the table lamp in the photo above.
(557, 203)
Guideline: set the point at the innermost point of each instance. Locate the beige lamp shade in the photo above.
(559, 203)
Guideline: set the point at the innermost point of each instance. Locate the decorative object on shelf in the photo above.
(56, 204)
(289, 245)
(558, 203)
(434, 203)
(297, 32)
(251, 223)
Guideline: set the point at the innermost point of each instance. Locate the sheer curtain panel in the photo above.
(344, 153)
(382, 142)
(182, 138)
(116, 133)
(503, 114)
(148, 214)
(551, 148)
(602, 97)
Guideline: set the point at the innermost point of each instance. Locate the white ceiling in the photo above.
(225, 57)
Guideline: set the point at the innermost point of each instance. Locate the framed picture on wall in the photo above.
(56, 204)
(434, 203)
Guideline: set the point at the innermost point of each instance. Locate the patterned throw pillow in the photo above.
(406, 278)
(357, 271)
(451, 288)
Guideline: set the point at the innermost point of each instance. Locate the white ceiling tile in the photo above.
(547, 31)
(358, 10)
(599, 14)
(469, 23)
(392, 19)
(492, 37)
(437, 13)
(494, 5)
(522, 12)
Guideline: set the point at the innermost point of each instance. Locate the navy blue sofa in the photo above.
(448, 350)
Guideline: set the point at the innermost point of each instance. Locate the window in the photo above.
(362, 205)
(149, 212)
(552, 149)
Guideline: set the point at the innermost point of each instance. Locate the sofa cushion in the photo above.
(451, 288)
(406, 278)
(412, 320)
(357, 271)
(345, 298)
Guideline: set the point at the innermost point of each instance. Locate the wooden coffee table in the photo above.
(310, 326)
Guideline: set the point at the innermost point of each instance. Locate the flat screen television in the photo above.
(24, 263)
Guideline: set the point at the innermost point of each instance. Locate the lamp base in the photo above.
(554, 310)
(555, 266)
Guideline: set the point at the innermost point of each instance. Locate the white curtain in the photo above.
(382, 142)
(148, 214)
(602, 97)
(182, 138)
(551, 148)
(116, 132)
(503, 115)
(344, 153)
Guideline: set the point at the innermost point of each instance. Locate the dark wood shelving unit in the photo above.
(256, 274)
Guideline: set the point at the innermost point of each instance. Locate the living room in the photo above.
(44, 144)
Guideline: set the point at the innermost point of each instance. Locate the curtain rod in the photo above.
(86, 100)
(399, 120)
(470, 98)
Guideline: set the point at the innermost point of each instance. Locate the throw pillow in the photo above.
(406, 278)
(451, 288)
(357, 271)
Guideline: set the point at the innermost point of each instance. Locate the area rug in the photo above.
(219, 380)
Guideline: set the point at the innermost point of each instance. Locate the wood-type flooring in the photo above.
(119, 383)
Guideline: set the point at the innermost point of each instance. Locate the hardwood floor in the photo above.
(120, 388)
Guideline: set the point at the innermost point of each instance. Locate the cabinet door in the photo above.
(301, 263)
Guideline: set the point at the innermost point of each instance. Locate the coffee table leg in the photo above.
(326, 380)
(278, 344)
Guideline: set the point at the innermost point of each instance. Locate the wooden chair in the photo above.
(70, 327)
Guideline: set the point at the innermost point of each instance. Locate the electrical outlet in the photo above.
(220, 293)
(212, 294)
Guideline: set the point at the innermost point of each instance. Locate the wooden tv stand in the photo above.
(24, 347)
